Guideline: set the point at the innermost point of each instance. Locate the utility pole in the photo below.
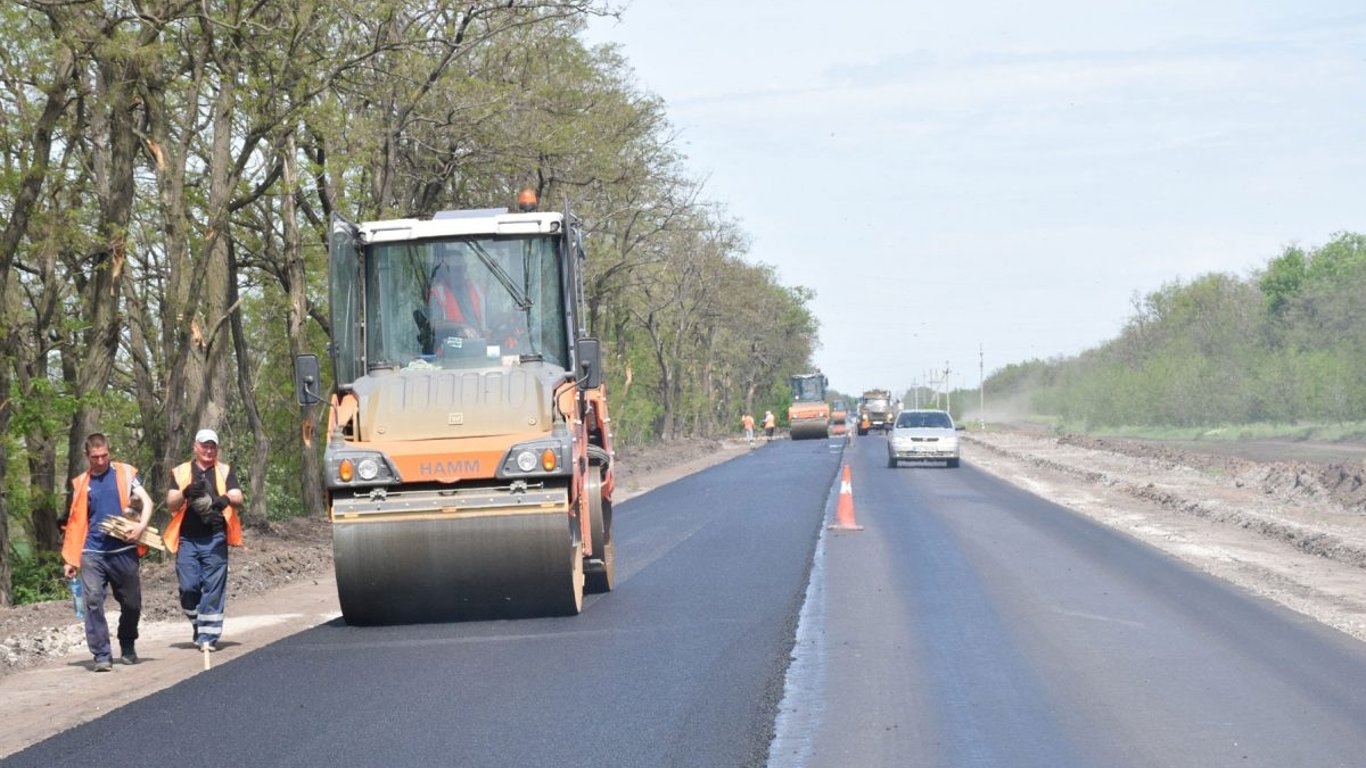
(981, 388)
(948, 396)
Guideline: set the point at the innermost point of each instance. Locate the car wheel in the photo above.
(891, 462)
(953, 463)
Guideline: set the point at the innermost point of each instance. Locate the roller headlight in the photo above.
(359, 468)
(526, 460)
(367, 468)
(544, 457)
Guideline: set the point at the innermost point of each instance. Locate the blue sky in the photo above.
(1001, 176)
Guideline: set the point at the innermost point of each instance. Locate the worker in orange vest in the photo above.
(104, 490)
(770, 424)
(208, 490)
(748, 422)
(455, 300)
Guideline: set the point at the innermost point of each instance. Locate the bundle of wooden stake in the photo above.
(122, 527)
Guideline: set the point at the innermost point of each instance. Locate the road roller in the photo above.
(839, 419)
(809, 415)
(468, 463)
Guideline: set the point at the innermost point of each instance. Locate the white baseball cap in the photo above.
(206, 436)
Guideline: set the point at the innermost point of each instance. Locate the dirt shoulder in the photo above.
(1292, 531)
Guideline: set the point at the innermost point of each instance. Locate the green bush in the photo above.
(37, 578)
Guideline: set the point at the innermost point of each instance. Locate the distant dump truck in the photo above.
(875, 411)
(809, 414)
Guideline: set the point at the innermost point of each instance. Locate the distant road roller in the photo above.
(839, 419)
(468, 465)
(809, 414)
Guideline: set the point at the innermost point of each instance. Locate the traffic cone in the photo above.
(844, 510)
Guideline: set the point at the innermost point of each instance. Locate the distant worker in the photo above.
(200, 540)
(103, 491)
(770, 423)
(748, 422)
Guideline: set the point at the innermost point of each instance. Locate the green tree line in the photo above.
(167, 172)
(1285, 345)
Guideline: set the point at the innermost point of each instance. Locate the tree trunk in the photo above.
(297, 286)
(665, 387)
(212, 403)
(103, 295)
(42, 473)
(6, 412)
(255, 513)
(150, 394)
(16, 228)
(163, 392)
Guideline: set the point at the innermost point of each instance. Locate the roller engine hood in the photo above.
(444, 404)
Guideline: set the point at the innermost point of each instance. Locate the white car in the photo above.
(923, 435)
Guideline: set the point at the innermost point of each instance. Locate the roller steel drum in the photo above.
(399, 565)
(810, 430)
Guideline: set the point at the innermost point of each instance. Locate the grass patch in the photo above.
(1345, 432)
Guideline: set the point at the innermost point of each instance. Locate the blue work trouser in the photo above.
(118, 570)
(201, 567)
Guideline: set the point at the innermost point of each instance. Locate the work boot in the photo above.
(104, 665)
(127, 655)
(208, 646)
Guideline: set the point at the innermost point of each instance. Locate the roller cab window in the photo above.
(464, 303)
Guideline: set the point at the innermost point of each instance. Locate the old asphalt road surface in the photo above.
(683, 664)
(971, 623)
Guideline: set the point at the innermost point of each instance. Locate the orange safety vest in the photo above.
(78, 522)
(181, 474)
(444, 299)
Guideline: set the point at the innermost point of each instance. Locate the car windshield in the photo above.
(924, 420)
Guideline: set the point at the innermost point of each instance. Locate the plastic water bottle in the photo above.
(77, 596)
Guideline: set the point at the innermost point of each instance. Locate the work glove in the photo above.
(202, 505)
(221, 503)
(200, 497)
(209, 512)
(198, 487)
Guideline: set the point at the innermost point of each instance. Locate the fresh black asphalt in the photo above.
(681, 665)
